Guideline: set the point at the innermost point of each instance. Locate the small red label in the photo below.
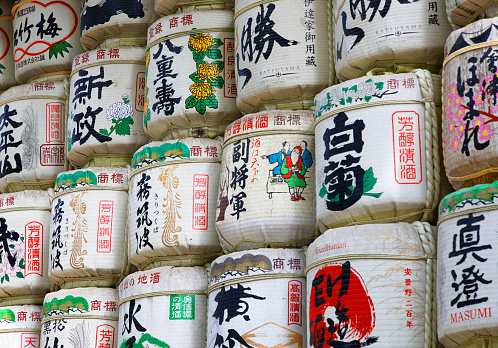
(200, 199)
(106, 210)
(31, 339)
(104, 336)
(33, 248)
(406, 147)
(54, 126)
(139, 92)
(230, 87)
(52, 155)
(295, 293)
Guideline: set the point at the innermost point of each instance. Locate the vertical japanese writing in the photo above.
(8, 141)
(309, 22)
(433, 18)
(171, 203)
(238, 176)
(406, 147)
(56, 243)
(34, 249)
(255, 144)
(140, 92)
(104, 234)
(295, 293)
(182, 307)
(407, 273)
(131, 323)
(104, 336)
(143, 220)
(230, 88)
(200, 200)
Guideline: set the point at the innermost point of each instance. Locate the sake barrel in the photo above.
(81, 317)
(46, 37)
(467, 268)
(410, 35)
(200, 45)
(355, 121)
(372, 285)
(266, 193)
(462, 13)
(7, 76)
(24, 245)
(32, 126)
(166, 7)
(124, 22)
(20, 326)
(166, 297)
(106, 107)
(282, 54)
(88, 227)
(469, 105)
(256, 299)
(172, 203)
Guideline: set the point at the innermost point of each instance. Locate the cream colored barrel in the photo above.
(88, 227)
(169, 307)
(377, 151)
(462, 13)
(106, 107)
(172, 203)
(24, 242)
(470, 105)
(167, 7)
(32, 126)
(372, 285)
(7, 76)
(81, 317)
(467, 260)
(46, 37)
(256, 299)
(126, 22)
(398, 35)
(281, 53)
(190, 68)
(20, 326)
(266, 193)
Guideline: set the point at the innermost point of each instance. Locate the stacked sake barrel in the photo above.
(20, 326)
(7, 76)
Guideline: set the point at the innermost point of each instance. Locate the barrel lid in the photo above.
(178, 25)
(365, 242)
(110, 178)
(35, 90)
(32, 199)
(180, 150)
(114, 55)
(274, 121)
(81, 302)
(163, 281)
(367, 91)
(20, 317)
(467, 200)
(258, 264)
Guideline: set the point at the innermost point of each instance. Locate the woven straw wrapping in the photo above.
(400, 36)
(106, 106)
(108, 22)
(172, 203)
(380, 278)
(34, 135)
(88, 227)
(461, 13)
(392, 115)
(470, 105)
(167, 7)
(168, 297)
(7, 77)
(25, 231)
(258, 295)
(190, 68)
(44, 52)
(20, 326)
(284, 65)
(467, 267)
(266, 194)
(81, 317)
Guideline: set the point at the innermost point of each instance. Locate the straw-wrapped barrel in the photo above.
(372, 285)
(168, 297)
(266, 194)
(377, 150)
(470, 105)
(20, 326)
(32, 123)
(256, 299)
(281, 53)
(106, 107)
(46, 37)
(7, 75)
(463, 12)
(190, 75)
(167, 7)
(88, 227)
(172, 203)
(466, 261)
(78, 317)
(397, 35)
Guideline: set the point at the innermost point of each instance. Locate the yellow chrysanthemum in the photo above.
(200, 42)
(146, 105)
(207, 71)
(201, 90)
(147, 59)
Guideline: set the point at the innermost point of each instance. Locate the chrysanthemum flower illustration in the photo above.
(485, 133)
(456, 144)
(200, 42)
(201, 90)
(207, 71)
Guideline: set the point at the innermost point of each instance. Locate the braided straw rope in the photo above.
(188, 33)
(19, 330)
(253, 278)
(480, 341)
(177, 261)
(89, 188)
(180, 161)
(97, 64)
(181, 6)
(77, 316)
(161, 293)
(36, 299)
(267, 132)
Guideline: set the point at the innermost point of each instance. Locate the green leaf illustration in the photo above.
(1, 67)
(1, 279)
(213, 53)
(217, 42)
(194, 78)
(21, 264)
(201, 106)
(22, 239)
(219, 64)
(104, 131)
(7, 278)
(218, 82)
(211, 102)
(379, 85)
(369, 180)
(123, 128)
(198, 56)
(147, 117)
(323, 190)
(19, 275)
(367, 98)
(11, 246)
(190, 102)
(59, 48)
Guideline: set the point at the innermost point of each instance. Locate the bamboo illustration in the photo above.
(172, 204)
(79, 230)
